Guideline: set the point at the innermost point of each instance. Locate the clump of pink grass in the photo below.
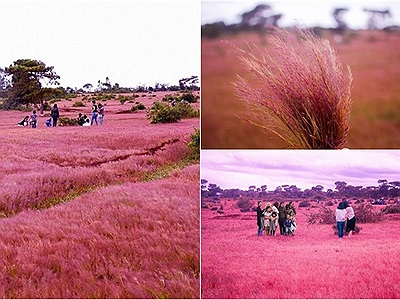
(301, 93)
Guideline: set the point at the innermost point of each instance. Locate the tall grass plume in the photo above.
(301, 91)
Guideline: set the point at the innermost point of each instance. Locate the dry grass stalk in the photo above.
(301, 93)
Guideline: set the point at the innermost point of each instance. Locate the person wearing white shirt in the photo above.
(340, 218)
(351, 219)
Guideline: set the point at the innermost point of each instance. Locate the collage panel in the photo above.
(292, 224)
(300, 224)
(99, 149)
(302, 75)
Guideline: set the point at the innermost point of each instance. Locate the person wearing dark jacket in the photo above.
(55, 114)
(260, 219)
(281, 218)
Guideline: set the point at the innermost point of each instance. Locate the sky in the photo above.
(131, 42)
(306, 13)
(303, 168)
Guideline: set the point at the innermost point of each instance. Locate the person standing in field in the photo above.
(272, 223)
(260, 219)
(55, 114)
(340, 218)
(292, 208)
(281, 218)
(95, 113)
(351, 219)
(101, 113)
(267, 216)
(34, 119)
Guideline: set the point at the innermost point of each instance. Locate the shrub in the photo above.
(189, 97)
(162, 113)
(365, 213)
(303, 93)
(186, 111)
(304, 203)
(194, 145)
(123, 99)
(244, 205)
(78, 104)
(391, 209)
(138, 106)
(170, 98)
(329, 203)
(324, 216)
(65, 121)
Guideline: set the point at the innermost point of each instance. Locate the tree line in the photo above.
(30, 82)
(384, 189)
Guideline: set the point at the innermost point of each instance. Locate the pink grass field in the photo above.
(312, 264)
(85, 215)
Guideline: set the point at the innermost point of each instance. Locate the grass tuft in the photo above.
(301, 92)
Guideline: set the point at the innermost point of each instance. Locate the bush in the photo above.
(123, 99)
(78, 104)
(65, 121)
(186, 111)
(189, 97)
(244, 205)
(324, 216)
(163, 113)
(329, 203)
(194, 145)
(304, 203)
(365, 213)
(138, 106)
(391, 209)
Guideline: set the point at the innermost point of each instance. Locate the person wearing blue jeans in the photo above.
(95, 113)
(260, 219)
(340, 218)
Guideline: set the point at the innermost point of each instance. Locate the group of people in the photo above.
(345, 219)
(82, 120)
(272, 216)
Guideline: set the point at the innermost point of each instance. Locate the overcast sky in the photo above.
(131, 42)
(306, 13)
(303, 168)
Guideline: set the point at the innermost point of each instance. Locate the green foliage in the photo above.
(186, 111)
(325, 215)
(138, 106)
(123, 99)
(65, 121)
(26, 82)
(103, 97)
(186, 97)
(78, 104)
(194, 145)
(163, 113)
(189, 97)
